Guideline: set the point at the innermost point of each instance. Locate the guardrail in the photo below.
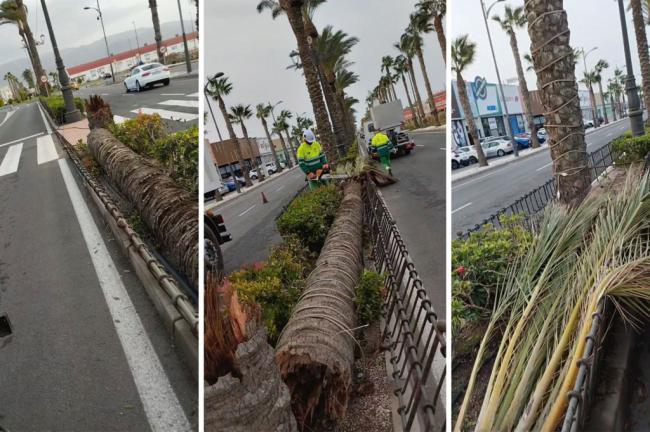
(416, 338)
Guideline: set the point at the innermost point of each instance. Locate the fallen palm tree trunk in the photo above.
(315, 351)
(168, 210)
(246, 391)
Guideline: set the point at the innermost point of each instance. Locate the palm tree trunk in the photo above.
(268, 137)
(642, 48)
(594, 109)
(524, 90)
(469, 118)
(559, 94)
(417, 112)
(293, 150)
(427, 86)
(238, 152)
(328, 85)
(156, 29)
(293, 11)
(442, 39)
(410, 101)
(284, 149)
(260, 173)
(33, 52)
(416, 91)
(611, 101)
(602, 96)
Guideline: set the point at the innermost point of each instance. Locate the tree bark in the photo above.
(329, 91)
(552, 55)
(286, 152)
(315, 352)
(524, 90)
(293, 9)
(238, 152)
(442, 39)
(611, 101)
(156, 29)
(594, 109)
(291, 148)
(410, 101)
(260, 173)
(602, 96)
(427, 86)
(469, 118)
(416, 91)
(33, 52)
(268, 137)
(642, 49)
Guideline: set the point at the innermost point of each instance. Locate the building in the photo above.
(277, 146)
(124, 61)
(224, 155)
(440, 99)
(5, 93)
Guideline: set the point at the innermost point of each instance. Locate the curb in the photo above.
(493, 167)
(170, 303)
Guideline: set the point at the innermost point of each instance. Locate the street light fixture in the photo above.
(100, 18)
(486, 13)
(137, 41)
(584, 60)
(635, 112)
(72, 114)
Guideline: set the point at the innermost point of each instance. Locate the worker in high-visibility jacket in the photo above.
(311, 158)
(383, 145)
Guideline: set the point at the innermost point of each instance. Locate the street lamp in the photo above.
(188, 64)
(584, 59)
(496, 67)
(137, 41)
(635, 113)
(207, 98)
(38, 83)
(286, 155)
(72, 114)
(100, 18)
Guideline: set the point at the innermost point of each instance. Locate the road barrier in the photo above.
(415, 336)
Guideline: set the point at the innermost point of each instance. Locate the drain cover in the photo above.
(5, 326)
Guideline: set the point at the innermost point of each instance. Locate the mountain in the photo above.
(74, 56)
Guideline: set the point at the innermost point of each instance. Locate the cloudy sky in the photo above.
(593, 24)
(75, 27)
(252, 49)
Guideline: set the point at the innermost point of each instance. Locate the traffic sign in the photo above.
(163, 49)
(43, 79)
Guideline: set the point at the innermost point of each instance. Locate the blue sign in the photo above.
(491, 107)
(479, 88)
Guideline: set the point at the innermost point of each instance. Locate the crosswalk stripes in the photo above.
(193, 95)
(176, 109)
(166, 114)
(45, 149)
(10, 162)
(183, 103)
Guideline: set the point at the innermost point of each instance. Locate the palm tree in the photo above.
(218, 88)
(415, 30)
(387, 63)
(15, 12)
(463, 52)
(344, 79)
(55, 78)
(642, 49)
(400, 67)
(616, 89)
(406, 48)
(559, 94)
(298, 13)
(239, 114)
(529, 62)
(13, 85)
(611, 91)
(28, 76)
(434, 11)
(598, 70)
(590, 78)
(283, 124)
(262, 112)
(153, 5)
(513, 19)
(278, 127)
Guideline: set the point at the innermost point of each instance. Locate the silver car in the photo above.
(496, 147)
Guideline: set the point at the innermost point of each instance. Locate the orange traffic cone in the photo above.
(264, 200)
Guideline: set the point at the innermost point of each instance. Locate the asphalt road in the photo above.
(417, 203)
(477, 197)
(87, 349)
(177, 104)
(252, 223)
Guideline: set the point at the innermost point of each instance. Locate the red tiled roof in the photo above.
(127, 54)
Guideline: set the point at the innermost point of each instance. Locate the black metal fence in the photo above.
(415, 336)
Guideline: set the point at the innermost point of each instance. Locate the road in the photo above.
(417, 203)
(477, 197)
(87, 349)
(252, 223)
(177, 104)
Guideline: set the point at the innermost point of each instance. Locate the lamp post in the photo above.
(207, 98)
(100, 17)
(137, 41)
(635, 113)
(496, 67)
(72, 114)
(286, 155)
(37, 78)
(188, 63)
(593, 103)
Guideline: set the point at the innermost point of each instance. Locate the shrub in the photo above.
(479, 265)
(275, 285)
(56, 107)
(141, 133)
(631, 149)
(351, 155)
(368, 298)
(310, 216)
(179, 153)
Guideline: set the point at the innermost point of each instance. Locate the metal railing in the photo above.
(415, 336)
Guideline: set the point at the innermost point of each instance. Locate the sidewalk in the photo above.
(73, 132)
(234, 195)
(430, 129)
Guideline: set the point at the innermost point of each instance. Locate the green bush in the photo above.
(351, 155)
(310, 216)
(631, 149)
(368, 298)
(56, 107)
(275, 285)
(479, 265)
(179, 153)
(141, 133)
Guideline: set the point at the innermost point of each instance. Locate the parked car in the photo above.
(587, 123)
(216, 234)
(107, 76)
(271, 168)
(455, 160)
(497, 147)
(542, 136)
(230, 183)
(253, 174)
(146, 76)
(467, 155)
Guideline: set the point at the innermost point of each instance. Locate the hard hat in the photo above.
(308, 136)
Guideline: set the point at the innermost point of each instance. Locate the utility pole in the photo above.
(188, 63)
(72, 114)
(137, 41)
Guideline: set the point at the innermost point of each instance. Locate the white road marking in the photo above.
(119, 119)
(542, 167)
(104, 94)
(172, 94)
(419, 145)
(247, 210)
(279, 189)
(461, 207)
(443, 148)
(160, 403)
(21, 139)
(12, 158)
(193, 95)
(45, 149)
(183, 103)
(47, 123)
(169, 115)
(9, 114)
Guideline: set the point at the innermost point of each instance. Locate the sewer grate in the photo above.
(5, 326)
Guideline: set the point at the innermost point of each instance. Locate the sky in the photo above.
(597, 25)
(75, 27)
(253, 50)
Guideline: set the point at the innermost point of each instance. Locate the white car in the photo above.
(146, 76)
(587, 123)
(271, 168)
(467, 155)
(496, 147)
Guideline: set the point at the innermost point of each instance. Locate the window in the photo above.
(149, 66)
(135, 72)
